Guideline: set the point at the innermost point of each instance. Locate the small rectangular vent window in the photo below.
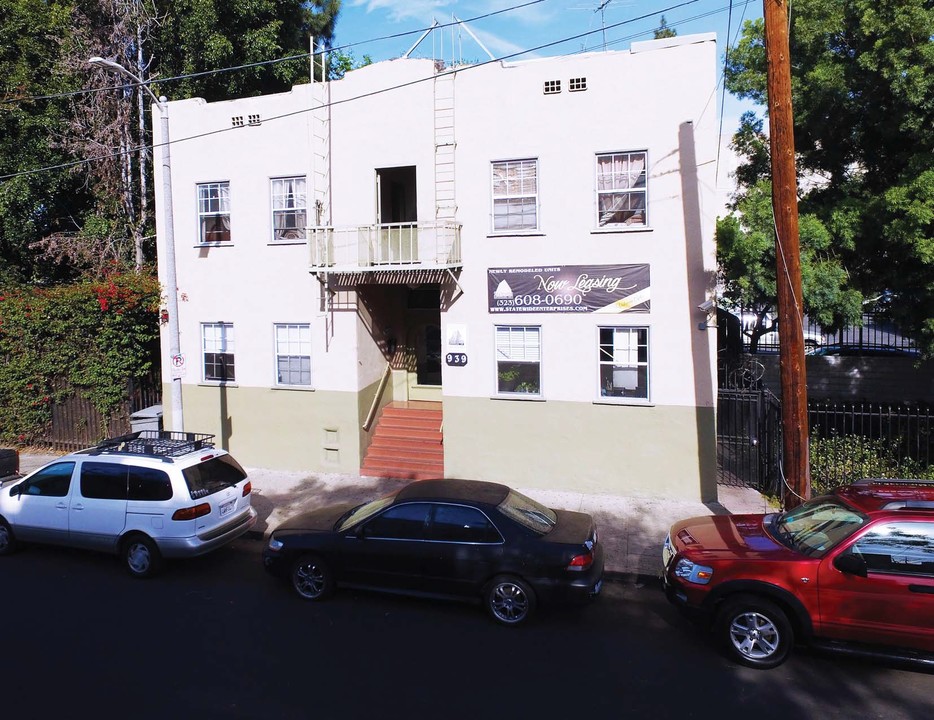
(237, 121)
(254, 119)
(577, 84)
(552, 87)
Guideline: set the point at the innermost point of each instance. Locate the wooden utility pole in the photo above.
(787, 257)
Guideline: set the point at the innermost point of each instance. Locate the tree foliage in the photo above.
(863, 100)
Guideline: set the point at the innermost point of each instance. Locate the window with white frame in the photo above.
(293, 354)
(518, 359)
(214, 212)
(289, 206)
(624, 362)
(621, 189)
(217, 346)
(515, 195)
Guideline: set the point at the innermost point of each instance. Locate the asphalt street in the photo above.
(216, 637)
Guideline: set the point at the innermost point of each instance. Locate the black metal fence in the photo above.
(749, 439)
(874, 332)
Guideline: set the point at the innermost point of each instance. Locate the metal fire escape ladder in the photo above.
(445, 146)
(320, 209)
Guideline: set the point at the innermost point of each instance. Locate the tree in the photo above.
(341, 62)
(863, 96)
(746, 262)
(663, 31)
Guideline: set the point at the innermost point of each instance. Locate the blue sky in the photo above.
(548, 22)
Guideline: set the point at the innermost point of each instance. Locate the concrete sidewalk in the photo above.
(632, 529)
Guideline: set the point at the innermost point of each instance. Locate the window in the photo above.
(293, 354)
(552, 87)
(518, 359)
(578, 84)
(214, 212)
(624, 362)
(621, 189)
(402, 522)
(211, 476)
(457, 523)
(218, 347)
(51, 482)
(515, 195)
(904, 548)
(105, 481)
(289, 204)
(149, 484)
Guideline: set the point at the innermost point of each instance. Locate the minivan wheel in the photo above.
(754, 632)
(7, 540)
(141, 556)
(509, 600)
(312, 578)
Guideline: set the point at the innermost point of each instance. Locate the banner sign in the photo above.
(569, 289)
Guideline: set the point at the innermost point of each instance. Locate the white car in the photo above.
(144, 496)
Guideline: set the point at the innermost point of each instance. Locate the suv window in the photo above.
(456, 523)
(53, 481)
(904, 548)
(149, 484)
(212, 475)
(104, 481)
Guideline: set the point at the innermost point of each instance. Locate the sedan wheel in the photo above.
(755, 632)
(141, 556)
(509, 600)
(312, 578)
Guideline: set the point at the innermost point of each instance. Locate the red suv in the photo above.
(850, 570)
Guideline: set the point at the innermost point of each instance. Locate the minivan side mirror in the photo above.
(850, 564)
(16, 490)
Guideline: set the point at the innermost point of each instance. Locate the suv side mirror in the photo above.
(850, 564)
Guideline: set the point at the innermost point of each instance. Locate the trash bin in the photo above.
(149, 418)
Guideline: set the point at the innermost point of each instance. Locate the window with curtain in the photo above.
(293, 354)
(289, 209)
(621, 189)
(217, 342)
(518, 359)
(624, 362)
(515, 195)
(214, 212)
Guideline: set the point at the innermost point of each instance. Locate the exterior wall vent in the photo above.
(236, 121)
(254, 120)
(552, 87)
(577, 84)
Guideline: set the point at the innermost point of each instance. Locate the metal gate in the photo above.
(749, 439)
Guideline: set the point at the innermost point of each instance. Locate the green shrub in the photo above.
(840, 460)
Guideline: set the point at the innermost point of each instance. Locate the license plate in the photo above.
(227, 507)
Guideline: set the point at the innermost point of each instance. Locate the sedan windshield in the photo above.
(362, 512)
(816, 526)
(525, 511)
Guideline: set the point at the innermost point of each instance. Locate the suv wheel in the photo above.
(7, 540)
(141, 556)
(754, 632)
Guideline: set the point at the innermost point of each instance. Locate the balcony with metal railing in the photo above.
(386, 247)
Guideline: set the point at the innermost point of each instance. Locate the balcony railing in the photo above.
(395, 246)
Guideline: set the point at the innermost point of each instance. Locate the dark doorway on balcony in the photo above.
(396, 198)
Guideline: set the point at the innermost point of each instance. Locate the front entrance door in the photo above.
(423, 343)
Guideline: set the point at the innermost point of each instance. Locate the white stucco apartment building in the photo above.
(521, 250)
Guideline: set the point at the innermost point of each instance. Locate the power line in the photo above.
(274, 61)
(373, 93)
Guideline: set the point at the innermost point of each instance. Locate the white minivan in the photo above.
(145, 496)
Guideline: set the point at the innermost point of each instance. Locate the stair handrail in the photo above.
(384, 380)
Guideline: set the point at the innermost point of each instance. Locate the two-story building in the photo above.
(496, 271)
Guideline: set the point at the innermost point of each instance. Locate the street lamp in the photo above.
(178, 421)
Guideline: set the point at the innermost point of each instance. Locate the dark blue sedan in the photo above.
(458, 539)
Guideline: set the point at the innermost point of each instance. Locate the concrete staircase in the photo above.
(407, 442)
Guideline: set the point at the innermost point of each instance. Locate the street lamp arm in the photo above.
(117, 67)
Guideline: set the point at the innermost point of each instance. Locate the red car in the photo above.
(852, 570)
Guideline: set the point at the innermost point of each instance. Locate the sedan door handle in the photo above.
(927, 589)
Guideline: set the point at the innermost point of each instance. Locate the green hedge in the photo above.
(89, 337)
(843, 459)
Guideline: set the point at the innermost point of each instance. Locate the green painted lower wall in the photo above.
(286, 430)
(607, 449)
(583, 447)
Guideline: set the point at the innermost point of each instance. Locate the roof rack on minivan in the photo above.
(160, 443)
